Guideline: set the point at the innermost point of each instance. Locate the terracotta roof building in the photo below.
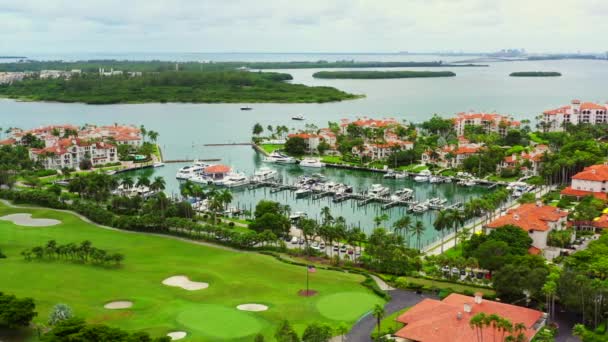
(536, 219)
(576, 113)
(592, 181)
(495, 123)
(448, 320)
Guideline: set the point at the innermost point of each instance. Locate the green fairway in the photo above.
(206, 315)
(334, 306)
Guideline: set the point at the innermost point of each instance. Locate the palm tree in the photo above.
(477, 323)
(143, 181)
(342, 330)
(143, 131)
(378, 314)
(441, 223)
(379, 219)
(158, 184)
(403, 225)
(153, 136)
(457, 218)
(326, 215)
(215, 205)
(417, 231)
(226, 198)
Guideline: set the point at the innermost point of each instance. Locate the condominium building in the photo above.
(491, 123)
(576, 113)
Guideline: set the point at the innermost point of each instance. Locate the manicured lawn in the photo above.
(413, 168)
(496, 178)
(454, 251)
(207, 315)
(269, 148)
(389, 324)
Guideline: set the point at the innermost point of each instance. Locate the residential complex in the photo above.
(536, 219)
(593, 180)
(451, 155)
(528, 162)
(491, 123)
(65, 146)
(576, 113)
(448, 320)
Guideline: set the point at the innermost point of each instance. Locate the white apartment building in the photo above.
(577, 113)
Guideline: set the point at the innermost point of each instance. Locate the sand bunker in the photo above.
(28, 221)
(177, 335)
(123, 304)
(185, 283)
(252, 307)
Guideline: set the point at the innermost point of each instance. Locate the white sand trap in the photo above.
(185, 283)
(27, 220)
(177, 335)
(122, 304)
(252, 307)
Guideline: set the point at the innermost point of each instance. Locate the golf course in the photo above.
(203, 285)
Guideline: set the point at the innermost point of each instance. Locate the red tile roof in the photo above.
(560, 110)
(534, 251)
(591, 106)
(303, 135)
(598, 173)
(467, 150)
(529, 216)
(602, 222)
(437, 321)
(217, 169)
(9, 141)
(569, 191)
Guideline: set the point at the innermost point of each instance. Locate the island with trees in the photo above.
(535, 74)
(228, 86)
(381, 74)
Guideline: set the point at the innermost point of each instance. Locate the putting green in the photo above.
(347, 306)
(220, 322)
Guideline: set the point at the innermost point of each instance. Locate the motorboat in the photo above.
(404, 193)
(311, 162)
(297, 215)
(394, 175)
(467, 182)
(235, 180)
(279, 158)
(423, 176)
(420, 207)
(246, 108)
(303, 192)
(435, 179)
(378, 191)
(158, 164)
(188, 172)
(437, 203)
(264, 174)
(299, 117)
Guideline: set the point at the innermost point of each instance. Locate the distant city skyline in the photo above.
(315, 26)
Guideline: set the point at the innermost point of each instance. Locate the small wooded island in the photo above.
(380, 74)
(535, 74)
(226, 86)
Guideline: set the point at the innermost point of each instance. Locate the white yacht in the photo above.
(234, 180)
(264, 174)
(297, 215)
(201, 179)
(279, 158)
(188, 172)
(311, 162)
(435, 179)
(467, 182)
(158, 164)
(299, 117)
(420, 207)
(423, 176)
(377, 191)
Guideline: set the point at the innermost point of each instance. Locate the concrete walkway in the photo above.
(381, 284)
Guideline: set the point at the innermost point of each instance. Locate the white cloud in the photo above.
(313, 25)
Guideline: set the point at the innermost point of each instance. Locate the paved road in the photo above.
(400, 299)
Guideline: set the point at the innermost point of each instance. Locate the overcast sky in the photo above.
(55, 26)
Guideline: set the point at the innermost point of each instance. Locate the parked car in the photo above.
(343, 249)
(336, 248)
(455, 270)
(294, 240)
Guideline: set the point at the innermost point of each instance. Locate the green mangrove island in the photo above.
(535, 74)
(228, 86)
(381, 74)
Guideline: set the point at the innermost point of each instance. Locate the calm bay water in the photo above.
(185, 128)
